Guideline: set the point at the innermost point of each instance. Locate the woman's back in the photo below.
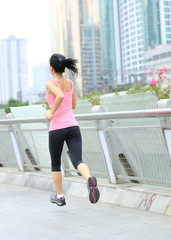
(65, 85)
(63, 116)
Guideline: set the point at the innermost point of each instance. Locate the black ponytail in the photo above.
(70, 63)
(59, 63)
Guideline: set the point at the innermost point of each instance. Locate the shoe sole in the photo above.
(94, 193)
(60, 205)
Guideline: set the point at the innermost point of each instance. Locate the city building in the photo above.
(158, 57)
(13, 70)
(165, 21)
(110, 42)
(152, 23)
(144, 25)
(110, 38)
(131, 23)
(65, 34)
(90, 45)
(41, 75)
(78, 36)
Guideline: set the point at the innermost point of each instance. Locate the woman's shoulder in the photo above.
(52, 81)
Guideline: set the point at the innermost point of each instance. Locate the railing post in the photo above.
(16, 148)
(104, 145)
(166, 124)
(165, 121)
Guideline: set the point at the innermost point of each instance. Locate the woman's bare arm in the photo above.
(59, 98)
(73, 99)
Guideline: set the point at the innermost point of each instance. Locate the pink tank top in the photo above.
(63, 116)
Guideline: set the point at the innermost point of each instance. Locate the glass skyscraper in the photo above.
(110, 37)
(152, 27)
(90, 45)
(144, 25)
(13, 70)
(109, 69)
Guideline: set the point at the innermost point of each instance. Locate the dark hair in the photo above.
(59, 63)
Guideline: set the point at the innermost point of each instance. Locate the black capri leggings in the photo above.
(72, 136)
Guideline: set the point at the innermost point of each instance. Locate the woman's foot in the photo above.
(94, 193)
(59, 201)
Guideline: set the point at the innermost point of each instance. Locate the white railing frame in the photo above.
(163, 114)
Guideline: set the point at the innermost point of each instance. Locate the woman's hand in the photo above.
(49, 116)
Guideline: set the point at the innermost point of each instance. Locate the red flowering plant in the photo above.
(160, 85)
(93, 96)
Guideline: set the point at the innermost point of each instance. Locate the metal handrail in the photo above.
(163, 114)
(151, 113)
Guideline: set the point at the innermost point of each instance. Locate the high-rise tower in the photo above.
(78, 36)
(109, 35)
(144, 25)
(13, 70)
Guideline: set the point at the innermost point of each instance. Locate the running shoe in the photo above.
(58, 201)
(94, 193)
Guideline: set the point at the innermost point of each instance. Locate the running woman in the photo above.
(63, 127)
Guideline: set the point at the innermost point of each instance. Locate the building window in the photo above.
(140, 43)
(132, 34)
(131, 10)
(133, 45)
(134, 51)
(140, 37)
(141, 55)
(168, 29)
(132, 27)
(131, 4)
(133, 39)
(167, 9)
(168, 35)
(167, 22)
(166, 3)
(139, 19)
(167, 16)
(138, 13)
(139, 25)
(135, 68)
(132, 21)
(168, 42)
(139, 31)
(134, 57)
(138, 7)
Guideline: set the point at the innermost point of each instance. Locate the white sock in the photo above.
(60, 195)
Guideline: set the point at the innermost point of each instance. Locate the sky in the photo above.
(28, 19)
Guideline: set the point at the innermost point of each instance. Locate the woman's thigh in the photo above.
(74, 143)
(56, 142)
